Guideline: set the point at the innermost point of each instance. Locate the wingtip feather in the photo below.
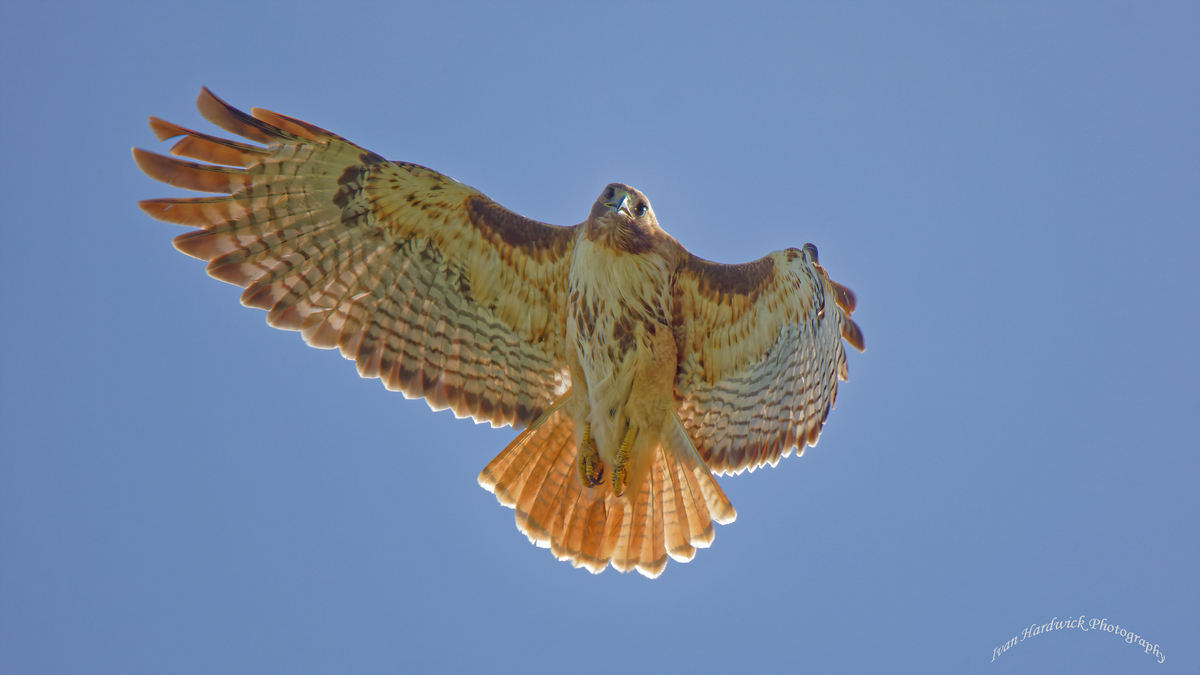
(844, 297)
(229, 118)
(290, 125)
(190, 175)
(163, 129)
(853, 334)
(160, 209)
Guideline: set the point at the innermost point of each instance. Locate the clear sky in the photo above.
(1012, 190)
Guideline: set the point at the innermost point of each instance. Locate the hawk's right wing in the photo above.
(424, 282)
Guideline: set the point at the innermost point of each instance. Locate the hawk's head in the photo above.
(622, 218)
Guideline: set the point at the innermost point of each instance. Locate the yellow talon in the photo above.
(621, 465)
(591, 469)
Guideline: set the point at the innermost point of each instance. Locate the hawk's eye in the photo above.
(640, 210)
(608, 193)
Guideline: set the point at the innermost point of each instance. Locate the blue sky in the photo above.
(1012, 190)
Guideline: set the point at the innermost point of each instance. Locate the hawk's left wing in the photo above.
(760, 350)
(424, 282)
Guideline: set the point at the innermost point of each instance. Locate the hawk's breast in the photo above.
(613, 295)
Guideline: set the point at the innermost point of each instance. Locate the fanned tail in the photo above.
(535, 475)
(591, 527)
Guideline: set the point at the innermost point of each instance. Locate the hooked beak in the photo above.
(618, 205)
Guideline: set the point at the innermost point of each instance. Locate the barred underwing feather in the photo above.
(761, 355)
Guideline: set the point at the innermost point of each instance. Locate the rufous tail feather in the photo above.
(671, 514)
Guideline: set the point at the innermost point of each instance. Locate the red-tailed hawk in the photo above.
(636, 366)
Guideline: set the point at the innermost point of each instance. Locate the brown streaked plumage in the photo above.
(637, 368)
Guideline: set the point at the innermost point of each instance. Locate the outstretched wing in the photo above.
(422, 281)
(760, 350)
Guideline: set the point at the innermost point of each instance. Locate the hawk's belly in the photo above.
(619, 302)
